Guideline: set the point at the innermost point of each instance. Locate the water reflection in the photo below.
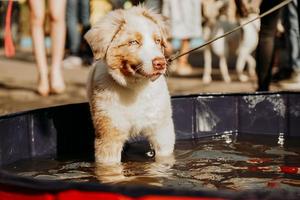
(223, 162)
(151, 173)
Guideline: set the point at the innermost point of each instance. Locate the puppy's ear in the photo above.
(103, 32)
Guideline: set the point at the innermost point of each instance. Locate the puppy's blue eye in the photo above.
(133, 42)
(158, 41)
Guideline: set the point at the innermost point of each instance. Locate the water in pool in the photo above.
(223, 162)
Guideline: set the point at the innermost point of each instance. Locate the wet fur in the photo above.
(128, 96)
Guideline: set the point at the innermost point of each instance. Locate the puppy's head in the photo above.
(131, 42)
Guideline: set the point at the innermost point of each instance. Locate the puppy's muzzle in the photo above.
(159, 63)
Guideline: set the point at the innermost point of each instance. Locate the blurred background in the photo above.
(191, 22)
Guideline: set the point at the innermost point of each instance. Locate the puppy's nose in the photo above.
(159, 63)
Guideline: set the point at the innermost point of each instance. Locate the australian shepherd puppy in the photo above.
(127, 91)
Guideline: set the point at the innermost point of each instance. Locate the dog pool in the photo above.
(228, 146)
(230, 161)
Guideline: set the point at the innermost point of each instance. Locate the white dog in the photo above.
(127, 91)
(214, 28)
(247, 47)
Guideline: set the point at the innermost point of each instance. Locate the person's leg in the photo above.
(183, 66)
(58, 35)
(74, 35)
(185, 44)
(72, 26)
(84, 13)
(265, 48)
(293, 38)
(85, 51)
(290, 19)
(37, 15)
(298, 13)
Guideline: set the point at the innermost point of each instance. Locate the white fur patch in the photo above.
(134, 105)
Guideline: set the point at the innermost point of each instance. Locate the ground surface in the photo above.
(18, 83)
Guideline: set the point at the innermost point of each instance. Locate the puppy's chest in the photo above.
(147, 109)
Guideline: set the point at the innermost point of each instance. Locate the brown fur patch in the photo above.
(109, 140)
(147, 14)
(122, 58)
(161, 42)
(99, 37)
(117, 32)
(138, 37)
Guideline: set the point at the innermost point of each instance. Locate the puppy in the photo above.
(127, 91)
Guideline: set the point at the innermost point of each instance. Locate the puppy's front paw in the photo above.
(102, 158)
(168, 160)
(164, 151)
(110, 173)
(108, 151)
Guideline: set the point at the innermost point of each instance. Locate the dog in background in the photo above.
(216, 23)
(247, 47)
(127, 90)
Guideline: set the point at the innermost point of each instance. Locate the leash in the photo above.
(176, 56)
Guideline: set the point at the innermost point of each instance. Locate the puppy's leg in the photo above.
(110, 173)
(207, 66)
(240, 65)
(224, 69)
(251, 65)
(161, 166)
(218, 47)
(163, 139)
(109, 140)
(108, 148)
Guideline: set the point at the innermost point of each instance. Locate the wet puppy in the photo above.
(127, 91)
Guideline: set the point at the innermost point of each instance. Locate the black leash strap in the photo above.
(282, 4)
